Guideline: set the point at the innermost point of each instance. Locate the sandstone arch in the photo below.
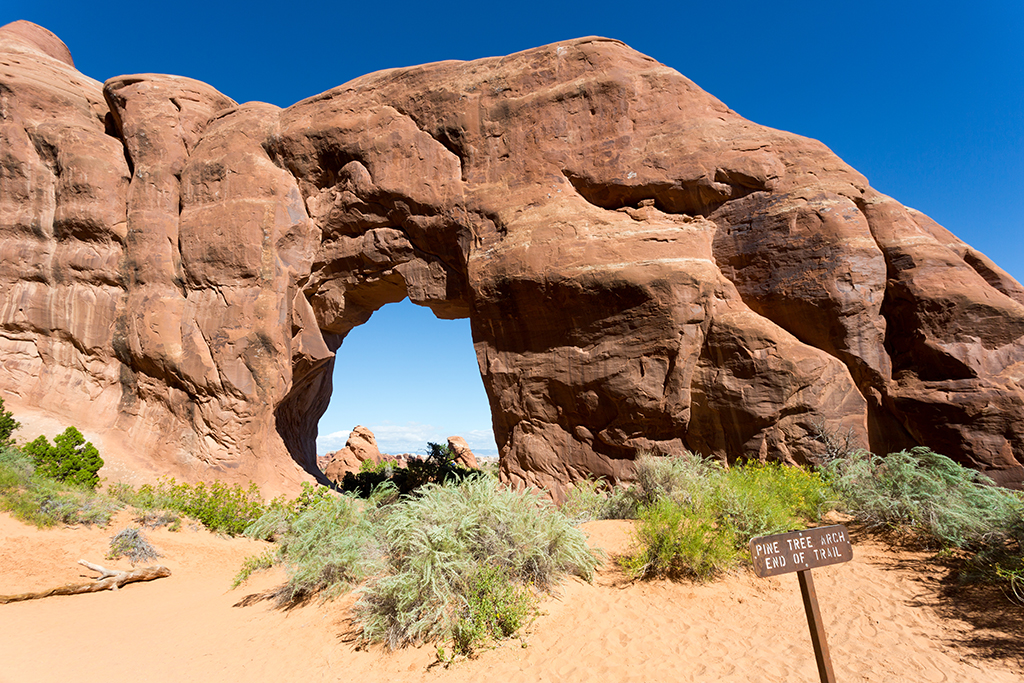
(642, 268)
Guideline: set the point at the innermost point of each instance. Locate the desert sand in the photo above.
(888, 613)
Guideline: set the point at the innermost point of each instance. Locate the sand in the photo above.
(889, 617)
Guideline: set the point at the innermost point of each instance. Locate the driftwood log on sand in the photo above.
(108, 579)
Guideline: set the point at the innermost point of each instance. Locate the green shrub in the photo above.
(371, 466)
(496, 608)
(228, 509)
(71, 459)
(217, 506)
(130, 543)
(927, 493)
(759, 499)
(695, 517)
(7, 426)
(677, 540)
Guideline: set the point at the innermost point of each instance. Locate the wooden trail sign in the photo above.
(800, 551)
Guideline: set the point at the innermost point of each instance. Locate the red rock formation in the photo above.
(463, 455)
(642, 267)
(340, 463)
(360, 447)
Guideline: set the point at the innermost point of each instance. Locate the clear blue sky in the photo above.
(924, 98)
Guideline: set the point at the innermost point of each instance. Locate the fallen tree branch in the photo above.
(108, 579)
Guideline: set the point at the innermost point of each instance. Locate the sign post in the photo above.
(800, 551)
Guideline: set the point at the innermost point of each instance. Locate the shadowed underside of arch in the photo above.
(642, 269)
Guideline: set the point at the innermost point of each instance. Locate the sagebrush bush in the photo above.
(154, 519)
(16, 468)
(325, 539)
(272, 524)
(585, 500)
(63, 505)
(326, 546)
(253, 564)
(590, 499)
(686, 479)
(926, 492)
(131, 543)
(436, 542)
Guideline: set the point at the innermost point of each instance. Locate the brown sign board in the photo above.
(799, 550)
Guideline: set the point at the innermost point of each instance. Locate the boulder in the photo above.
(360, 447)
(341, 463)
(643, 269)
(463, 455)
(363, 445)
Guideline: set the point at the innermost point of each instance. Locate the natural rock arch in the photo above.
(642, 268)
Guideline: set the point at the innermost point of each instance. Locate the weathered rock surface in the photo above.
(340, 463)
(642, 268)
(360, 447)
(463, 455)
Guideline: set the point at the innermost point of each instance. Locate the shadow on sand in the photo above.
(985, 620)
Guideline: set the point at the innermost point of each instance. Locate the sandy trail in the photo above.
(887, 616)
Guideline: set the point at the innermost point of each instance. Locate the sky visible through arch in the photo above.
(926, 99)
(416, 376)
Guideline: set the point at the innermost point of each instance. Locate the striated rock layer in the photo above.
(642, 268)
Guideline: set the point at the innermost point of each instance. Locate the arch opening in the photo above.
(410, 377)
(406, 374)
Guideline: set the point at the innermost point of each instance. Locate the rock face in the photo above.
(360, 446)
(339, 464)
(363, 444)
(463, 455)
(642, 268)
